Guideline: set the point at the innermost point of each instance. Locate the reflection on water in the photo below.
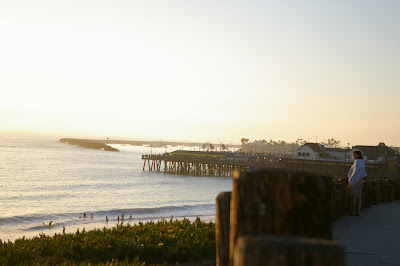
(43, 180)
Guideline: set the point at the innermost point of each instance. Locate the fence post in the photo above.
(288, 251)
(345, 197)
(278, 202)
(222, 216)
(396, 190)
(374, 192)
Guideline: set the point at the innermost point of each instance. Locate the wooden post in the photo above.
(378, 191)
(345, 197)
(288, 251)
(365, 195)
(370, 193)
(390, 191)
(374, 192)
(382, 192)
(396, 190)
(363, 202)
(334, 203)
(222, 215)
(280, 203)
(338, 199)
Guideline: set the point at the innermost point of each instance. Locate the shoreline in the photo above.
(57, 227)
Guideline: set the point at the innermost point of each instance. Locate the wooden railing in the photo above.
(323, 167)
(280, 217)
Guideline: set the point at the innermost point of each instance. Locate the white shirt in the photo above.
(357, 172)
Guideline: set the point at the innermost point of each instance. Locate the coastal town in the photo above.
(381, 161)
(207, 159)
(321, 151)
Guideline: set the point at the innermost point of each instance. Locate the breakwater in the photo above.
(89, 144)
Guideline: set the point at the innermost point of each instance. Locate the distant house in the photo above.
(309, 151)
(318, 151)
(336, 153)
(380, 153)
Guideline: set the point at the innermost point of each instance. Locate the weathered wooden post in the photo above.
(390, 191)
(396, 190)
(338, 190)
(378, 191)
(364, 195)
(385, 191)
(339, 199)
(345, 197)
(280, 203)
(288, 251)
(374, 192)
(368, 194)
(382, 192)
(363, 200)
(222, 216)
(334, 202)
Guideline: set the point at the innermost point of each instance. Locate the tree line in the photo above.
(330, 143)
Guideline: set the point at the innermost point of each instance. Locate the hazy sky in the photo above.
(202, 70)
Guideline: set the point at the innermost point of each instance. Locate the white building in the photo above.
(309, 151)
(314, 151)
(336, 153)
(380, 153)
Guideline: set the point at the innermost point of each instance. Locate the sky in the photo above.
(204, 70)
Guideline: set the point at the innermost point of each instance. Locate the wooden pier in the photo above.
(225, 164)
(192, 166)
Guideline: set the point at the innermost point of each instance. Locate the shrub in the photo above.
(152, 242)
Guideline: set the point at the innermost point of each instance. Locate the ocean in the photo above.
(43, 181)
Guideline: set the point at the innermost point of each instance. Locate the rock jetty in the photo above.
(90, 144)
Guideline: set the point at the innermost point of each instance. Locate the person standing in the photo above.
(356, 180)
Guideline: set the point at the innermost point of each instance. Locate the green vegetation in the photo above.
(159, 242)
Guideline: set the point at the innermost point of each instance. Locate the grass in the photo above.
(162, 242)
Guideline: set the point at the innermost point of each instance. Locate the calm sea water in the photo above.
(42, 180)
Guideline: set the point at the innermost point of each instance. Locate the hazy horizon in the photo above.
(100, 137)
(203, 70)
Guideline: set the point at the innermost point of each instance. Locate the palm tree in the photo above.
(244, 140)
